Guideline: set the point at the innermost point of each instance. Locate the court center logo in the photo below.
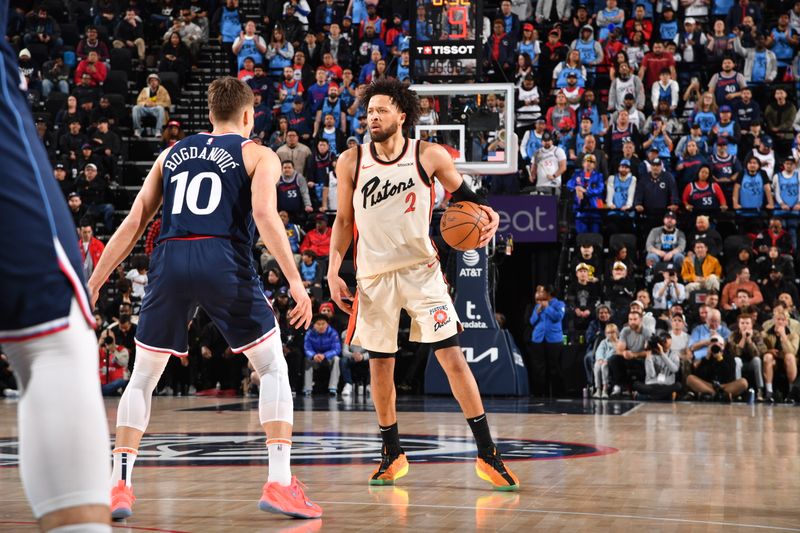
(245, 449)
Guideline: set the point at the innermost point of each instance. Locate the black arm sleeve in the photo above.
(465, 194)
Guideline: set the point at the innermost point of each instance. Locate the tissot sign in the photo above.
(447, 50)
(527, 218)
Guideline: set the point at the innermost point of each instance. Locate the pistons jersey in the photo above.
(393, 204)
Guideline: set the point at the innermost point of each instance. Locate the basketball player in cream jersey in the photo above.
(385, 202)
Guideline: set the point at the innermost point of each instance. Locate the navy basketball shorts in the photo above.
(214, 273)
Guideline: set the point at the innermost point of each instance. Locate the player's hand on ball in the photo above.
(340, 293)
(300, 315)
(489, 229)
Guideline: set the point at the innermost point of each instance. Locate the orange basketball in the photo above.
(461, 225)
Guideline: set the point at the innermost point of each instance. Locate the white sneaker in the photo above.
(596, 393)
(347, 389)
(604, 396)
(616, 390)
(11, 393)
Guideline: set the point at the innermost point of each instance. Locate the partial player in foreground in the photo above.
(46, 328)
(214, 186)
(385, 203)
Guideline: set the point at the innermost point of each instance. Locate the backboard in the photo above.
(475, 120)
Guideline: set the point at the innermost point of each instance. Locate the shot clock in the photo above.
(446, 42)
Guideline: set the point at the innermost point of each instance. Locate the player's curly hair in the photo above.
(403, 97)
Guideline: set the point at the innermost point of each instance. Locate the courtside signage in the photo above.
(247, 449)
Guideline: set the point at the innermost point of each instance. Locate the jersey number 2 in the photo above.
(189, 194)
(411, 200)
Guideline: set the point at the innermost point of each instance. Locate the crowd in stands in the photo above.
(671, 125)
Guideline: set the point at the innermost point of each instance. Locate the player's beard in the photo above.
(382, 135)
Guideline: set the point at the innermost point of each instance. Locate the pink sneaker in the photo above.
(122, 499)
(290, 500)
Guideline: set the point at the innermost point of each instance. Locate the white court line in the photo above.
(633, 409)
(472, 508)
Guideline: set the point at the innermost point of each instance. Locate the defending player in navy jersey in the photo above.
(217, 188)
(46, 327)
(385, 203)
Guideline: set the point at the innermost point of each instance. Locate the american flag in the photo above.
(499, 155)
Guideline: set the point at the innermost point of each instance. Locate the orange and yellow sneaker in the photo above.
(490, 467)
(392, 468)
(289, 500)
(122, 499)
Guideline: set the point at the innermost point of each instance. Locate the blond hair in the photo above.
(227, 96)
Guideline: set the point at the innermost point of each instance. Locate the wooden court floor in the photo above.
(583, 467)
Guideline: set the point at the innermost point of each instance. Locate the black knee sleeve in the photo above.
(381, 355)
(447, 343)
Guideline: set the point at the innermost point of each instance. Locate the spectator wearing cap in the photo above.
(311, 272)
(725, 168)
(670, 290)
(587, 186)
(76, 208)
(620, 192)
(153, 101)
(701, 270)
(318, 239)
(702, 195)
(322, 348)
(665, 89)
(129, 33)
(332, 105)
(498, 52)
(300, 119)
(704, 231)
(46, 137)
(262, 116)
(748, 112)
(65, 182)
(656, 192)
(549, 163)
(620, 288)
(530, 45)
(727, 129)
(764, 152)
(107, 145)
(172, 134)
(582, 298)
(573, 91)
(527, 105)
(553, 53)
(667, 243)
(654, 62)
(95, 194)
(249, 44)
(625, 83)
(776, 285)
(691, 43)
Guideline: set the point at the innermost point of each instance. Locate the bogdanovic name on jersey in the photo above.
(373, 195)
(220, 156)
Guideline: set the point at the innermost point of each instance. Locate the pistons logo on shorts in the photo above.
(440, 319)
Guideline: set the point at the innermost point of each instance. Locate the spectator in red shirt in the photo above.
(654, 62)
(639, 22)
(91, 248)
(333, 70)
(318, 240)
(96, 69)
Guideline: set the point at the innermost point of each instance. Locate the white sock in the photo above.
(124, 458)
(83, 528)
(280, 452)
(769, 387)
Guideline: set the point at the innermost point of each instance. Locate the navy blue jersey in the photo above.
(40, 264)
(207, 189)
